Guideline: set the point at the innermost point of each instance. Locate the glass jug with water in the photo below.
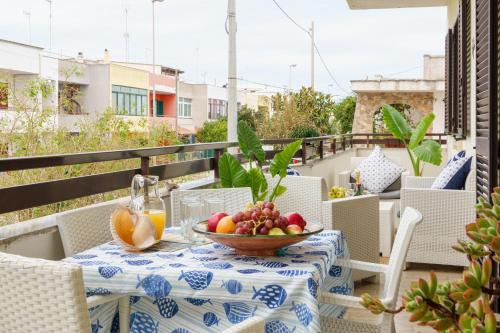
(147, 200)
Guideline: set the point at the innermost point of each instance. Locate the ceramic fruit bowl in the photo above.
(257, 245)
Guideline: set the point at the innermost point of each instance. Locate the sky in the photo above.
(191, 36)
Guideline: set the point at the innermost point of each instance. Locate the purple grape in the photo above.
(269, 224)
(269, 205)
(267, 212)
(276, 214)
(263, 231)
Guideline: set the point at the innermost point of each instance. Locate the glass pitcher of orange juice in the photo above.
(146, 199)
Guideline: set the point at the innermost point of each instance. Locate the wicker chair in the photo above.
(234, 199)
(392, 272)
(47, 296)
(391, 194)
(250, 325)
(304, 195)
(358, 218)
(85, 228)
(445, 212)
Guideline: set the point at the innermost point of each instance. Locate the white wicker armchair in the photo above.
(392, 272)
(47, 296)
(234, 199)
(445, 212)
(358, 218)
(304, 195)
(85, 228)
(392, 196)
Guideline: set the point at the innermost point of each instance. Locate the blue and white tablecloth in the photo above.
(209, 288)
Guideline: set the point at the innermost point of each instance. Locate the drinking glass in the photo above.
(192, 209)
(213, 205)
(351, 189)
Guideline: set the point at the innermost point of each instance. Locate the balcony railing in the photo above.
(38, 194)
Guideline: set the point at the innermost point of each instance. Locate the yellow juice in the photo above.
(159, 220)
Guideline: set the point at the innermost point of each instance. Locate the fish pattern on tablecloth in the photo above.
(210, 288)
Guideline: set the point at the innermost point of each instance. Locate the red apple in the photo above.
(214, 220)
(295, 218)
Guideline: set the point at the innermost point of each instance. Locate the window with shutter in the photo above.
(468, 64)
(448, 91)
(487, 96)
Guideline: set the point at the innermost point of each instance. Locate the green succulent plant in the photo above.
(419, 150)
(462, 305)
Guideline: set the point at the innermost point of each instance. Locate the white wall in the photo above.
(19, 58)
(438, 109)
(98, 94)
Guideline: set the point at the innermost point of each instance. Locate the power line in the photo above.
(404, 71)
(315, 46)
(266, 84)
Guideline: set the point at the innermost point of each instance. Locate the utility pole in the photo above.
(176, 101)
(290, 76)
(232, 114)
(154, 64)
(50, 24)
(313, 51)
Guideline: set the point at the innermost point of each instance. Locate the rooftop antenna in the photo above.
(27, 13)
(126, 36)
(50, 24)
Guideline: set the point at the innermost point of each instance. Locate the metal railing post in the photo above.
(334, 146)
(304, 153)
(343, 143)
(217, 155)
(145, 165)
(320, 148)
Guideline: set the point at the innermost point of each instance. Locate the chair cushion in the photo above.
(377, 171)
(457, 156)
(390, 195)
(454, 174)
(292, 172)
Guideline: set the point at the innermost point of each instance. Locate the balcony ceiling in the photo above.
(381, 4)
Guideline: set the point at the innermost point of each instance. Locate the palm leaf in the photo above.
(419, 133)
(231, 173)
(281, 160)
(429, 151)
(396, 123)
(250, 145)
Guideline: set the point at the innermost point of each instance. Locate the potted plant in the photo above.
(419, 150)
(233, 174)
(463, 305)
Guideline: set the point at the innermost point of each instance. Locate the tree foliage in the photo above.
(343, 113)
(213, 131)
(304, 108)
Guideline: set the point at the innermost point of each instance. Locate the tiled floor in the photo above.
(413, 273)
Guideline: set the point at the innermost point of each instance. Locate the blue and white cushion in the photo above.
(454, 174)
(292, 172)
(377, 171)
(457, 156)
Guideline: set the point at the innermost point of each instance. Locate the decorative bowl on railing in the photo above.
(259, 230)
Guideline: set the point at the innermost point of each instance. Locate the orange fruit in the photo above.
(226, 226)
(123, 220)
